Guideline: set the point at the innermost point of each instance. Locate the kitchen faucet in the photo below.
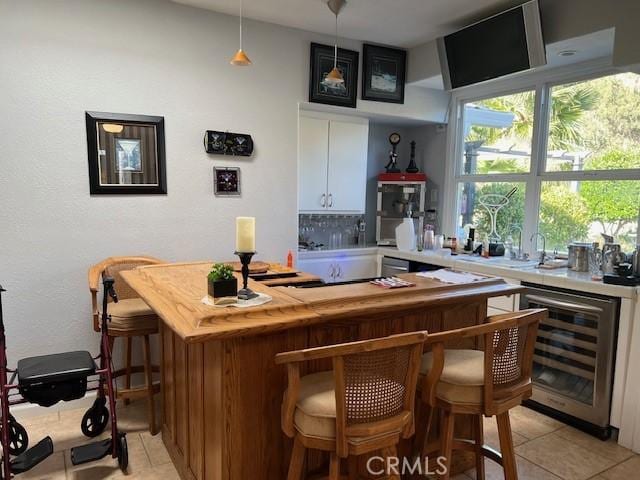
(543, 254)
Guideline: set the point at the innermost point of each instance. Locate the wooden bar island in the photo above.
(221, 388)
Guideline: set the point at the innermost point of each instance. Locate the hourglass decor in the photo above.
(227, 143)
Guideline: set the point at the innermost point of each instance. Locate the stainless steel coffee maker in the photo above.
(612, 256)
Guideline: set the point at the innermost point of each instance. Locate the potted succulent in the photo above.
(222, 283)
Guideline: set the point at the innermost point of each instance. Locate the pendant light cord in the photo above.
(240, 24)
(335, 51)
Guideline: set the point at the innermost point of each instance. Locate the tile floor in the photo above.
(546, 450)
(148, 458)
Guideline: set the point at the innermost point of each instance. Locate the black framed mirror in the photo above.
(126, 154)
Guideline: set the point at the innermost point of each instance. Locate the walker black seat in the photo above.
(48, 379)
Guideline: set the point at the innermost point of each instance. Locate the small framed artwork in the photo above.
(343, 94)
(226, 181)
(383, 73)
(227, 143)
(126, 154)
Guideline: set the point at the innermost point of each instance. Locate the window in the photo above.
(497, 134)
(575, 161)
(476, 200)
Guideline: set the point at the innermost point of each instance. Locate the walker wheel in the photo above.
(95, 419)
(123, 452)
(18, 438)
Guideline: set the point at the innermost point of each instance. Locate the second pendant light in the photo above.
(240, 59)
(334, 77)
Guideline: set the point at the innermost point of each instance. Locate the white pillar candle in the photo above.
(245, 234)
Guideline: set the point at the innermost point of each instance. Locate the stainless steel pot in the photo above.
(579, 254)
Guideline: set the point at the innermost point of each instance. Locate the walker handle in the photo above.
(108, 287)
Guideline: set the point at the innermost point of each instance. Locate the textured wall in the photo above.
(60, 58)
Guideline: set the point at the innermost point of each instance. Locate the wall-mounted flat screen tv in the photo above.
(506, 43)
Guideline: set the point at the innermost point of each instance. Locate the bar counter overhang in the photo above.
(221, 388)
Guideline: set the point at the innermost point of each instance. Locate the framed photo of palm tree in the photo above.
(383, 73)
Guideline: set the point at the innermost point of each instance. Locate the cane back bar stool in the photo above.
(364, 404)
(475, 382)
(130, 318)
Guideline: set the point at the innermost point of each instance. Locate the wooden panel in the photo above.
(253, 386)
(214, 415)
(195, 372)
(168, 387)
(182, 405)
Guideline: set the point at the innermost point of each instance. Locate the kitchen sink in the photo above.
(501, 262)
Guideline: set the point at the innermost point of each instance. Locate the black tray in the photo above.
(613, 279)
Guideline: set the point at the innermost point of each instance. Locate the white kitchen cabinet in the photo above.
(313, 168)
(347, 178)
(341, 268)
(332, 173)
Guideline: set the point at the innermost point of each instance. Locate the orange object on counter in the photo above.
(290, 259)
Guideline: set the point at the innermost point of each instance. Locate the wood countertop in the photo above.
(174, 292)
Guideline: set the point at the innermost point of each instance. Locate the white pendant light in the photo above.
(334, 77)
(240, 59)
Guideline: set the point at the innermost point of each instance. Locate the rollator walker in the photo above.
(48, 379)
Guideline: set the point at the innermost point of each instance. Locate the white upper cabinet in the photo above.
(313, 168)
(348, 145)
(333, 165)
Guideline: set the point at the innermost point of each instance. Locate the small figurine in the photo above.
(392, 167)
(413, 168)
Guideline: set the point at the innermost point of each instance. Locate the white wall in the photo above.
(58, 59)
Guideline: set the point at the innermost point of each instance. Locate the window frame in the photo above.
(541, 82)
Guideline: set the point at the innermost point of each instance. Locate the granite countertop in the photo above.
(561, 277)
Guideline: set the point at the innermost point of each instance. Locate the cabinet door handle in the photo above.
(339, 271)
(332, 271)
(330, 200)
(322, 200)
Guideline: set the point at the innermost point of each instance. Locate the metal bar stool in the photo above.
(130, 318)
(478, 383)
(364, 404)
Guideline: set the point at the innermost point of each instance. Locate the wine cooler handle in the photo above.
(548, 302)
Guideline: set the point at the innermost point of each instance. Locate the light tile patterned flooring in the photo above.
(546, 450)
(148, 458)
(550, 450)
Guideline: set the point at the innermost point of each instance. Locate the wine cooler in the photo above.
(574, 355)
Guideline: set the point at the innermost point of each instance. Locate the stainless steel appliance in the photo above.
(612, 256)
(574, 356)
(636, 261)
(393, 266)
(398, 199)
(579, 254)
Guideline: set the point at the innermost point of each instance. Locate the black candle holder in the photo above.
(245, 293)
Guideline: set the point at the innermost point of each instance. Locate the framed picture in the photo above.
(126, 154)
(227, 143)
(226, 181)
(383, 73)
(345, 94)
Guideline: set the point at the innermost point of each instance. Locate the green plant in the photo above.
(220, 271)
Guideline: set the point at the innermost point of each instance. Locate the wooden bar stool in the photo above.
(364, 404)
(130, 318)
(474, 382)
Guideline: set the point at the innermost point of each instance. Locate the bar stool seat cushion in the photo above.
(315, 414)
(462, 377)
(132, 315)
